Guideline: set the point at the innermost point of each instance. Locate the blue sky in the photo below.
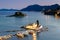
(19, 4)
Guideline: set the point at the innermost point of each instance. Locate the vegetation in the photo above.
(18, 14)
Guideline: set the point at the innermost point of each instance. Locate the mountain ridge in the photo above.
(37, 7)
(9, 10)
(34, 7)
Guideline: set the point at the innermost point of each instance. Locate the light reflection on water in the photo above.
(34, 35)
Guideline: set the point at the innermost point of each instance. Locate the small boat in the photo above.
(5, 37)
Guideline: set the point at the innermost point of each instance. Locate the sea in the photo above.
(14, 23)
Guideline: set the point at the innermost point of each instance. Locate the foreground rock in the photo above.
(35, 26)
(18, 14)
(5, 37)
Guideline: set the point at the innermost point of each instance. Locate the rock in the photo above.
(18, 14)
(5, 37)
(52, 12)
(22, 34)
(49, 12)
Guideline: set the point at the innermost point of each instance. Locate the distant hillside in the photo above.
(40, 8)
(35, 7)
(9, 10)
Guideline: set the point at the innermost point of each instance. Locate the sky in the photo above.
(19, 4)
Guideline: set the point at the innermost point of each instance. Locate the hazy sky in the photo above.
(19, 4)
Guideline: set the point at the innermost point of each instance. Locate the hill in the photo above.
(9, 10)
(37, 7)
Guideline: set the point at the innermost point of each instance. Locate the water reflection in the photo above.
(57, 17)
(34, 35)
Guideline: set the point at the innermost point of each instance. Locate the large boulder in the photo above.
(18, 14)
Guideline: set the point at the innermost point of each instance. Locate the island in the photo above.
(52, 12)
(17, 14)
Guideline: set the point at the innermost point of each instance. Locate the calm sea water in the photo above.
(14, 23)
